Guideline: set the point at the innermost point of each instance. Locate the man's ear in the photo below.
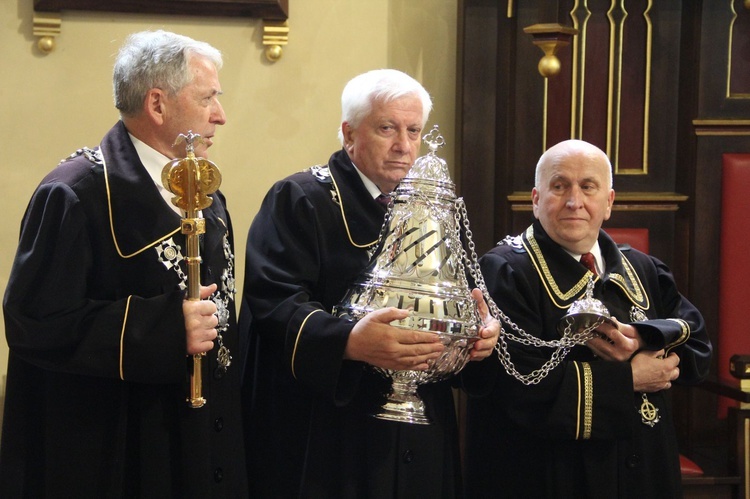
(154, 105)
(347, 130)
(610, 203)
(535, 201)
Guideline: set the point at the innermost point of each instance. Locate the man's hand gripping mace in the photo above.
(191, 179)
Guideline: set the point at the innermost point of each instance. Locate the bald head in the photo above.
(560, 151)
(573, 194)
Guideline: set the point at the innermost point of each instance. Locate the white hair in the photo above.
(381, 85)
(151, 59)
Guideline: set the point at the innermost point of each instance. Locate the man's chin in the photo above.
(571, 240)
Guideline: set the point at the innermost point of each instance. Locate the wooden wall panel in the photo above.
(739, 66)
(603, 94)
(663, 86)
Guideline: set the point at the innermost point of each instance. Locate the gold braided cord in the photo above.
(636, 293)
(112, 222)
(588, 391)
(631, 284)
(684, 335)
(578, 405)
(553, 290)
(343, 215)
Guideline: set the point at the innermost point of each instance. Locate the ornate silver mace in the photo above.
(419, 265)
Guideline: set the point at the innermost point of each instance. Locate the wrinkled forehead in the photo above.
(576, 167)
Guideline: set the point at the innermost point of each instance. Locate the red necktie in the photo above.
(383, 200)
(588, 261)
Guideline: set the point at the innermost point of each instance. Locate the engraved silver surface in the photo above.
(419, 265)
(585, 314)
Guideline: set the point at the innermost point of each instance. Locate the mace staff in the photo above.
(191, 180)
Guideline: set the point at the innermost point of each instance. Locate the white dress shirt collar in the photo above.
(154, 161)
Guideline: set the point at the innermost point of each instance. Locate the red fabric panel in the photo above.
(734, 266)
(636, 238)
(689, 468)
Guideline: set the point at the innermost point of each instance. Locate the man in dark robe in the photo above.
(100, 332)
(598, 424)
(310, 390)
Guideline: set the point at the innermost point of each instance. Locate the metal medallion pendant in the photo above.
(649, 412)
(223, 356)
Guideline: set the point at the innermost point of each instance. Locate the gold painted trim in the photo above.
(579, 68)
(580, 14)
(47, 25)
(545, 114)
(729, 50)
(615, 95)
(523, 208)
(633, 171)
(275, 36)
(112, 221)
(724, 133)
(614, 87)
(343, 215)
(722, 127)
(296, 340)
(630, 196)
(646, 207)
(730, 37)
(122, 336)
(550, 37)
(726, 122)
(656, 196)
(747, 457)
(647, 92)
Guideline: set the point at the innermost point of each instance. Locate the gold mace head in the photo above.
(191, 179)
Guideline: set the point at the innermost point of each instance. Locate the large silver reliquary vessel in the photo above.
(419, 264)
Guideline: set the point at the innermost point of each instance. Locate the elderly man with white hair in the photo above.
(310, 394)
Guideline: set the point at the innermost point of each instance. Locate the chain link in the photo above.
(561, 347)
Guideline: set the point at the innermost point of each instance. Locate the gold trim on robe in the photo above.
(624, 276)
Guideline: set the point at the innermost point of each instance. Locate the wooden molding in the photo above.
(266, 9)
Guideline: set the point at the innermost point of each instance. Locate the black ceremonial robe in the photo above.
(578, 433)
(309, 428)
(97, 375)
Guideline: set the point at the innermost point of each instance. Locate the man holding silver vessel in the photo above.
(310, 393)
